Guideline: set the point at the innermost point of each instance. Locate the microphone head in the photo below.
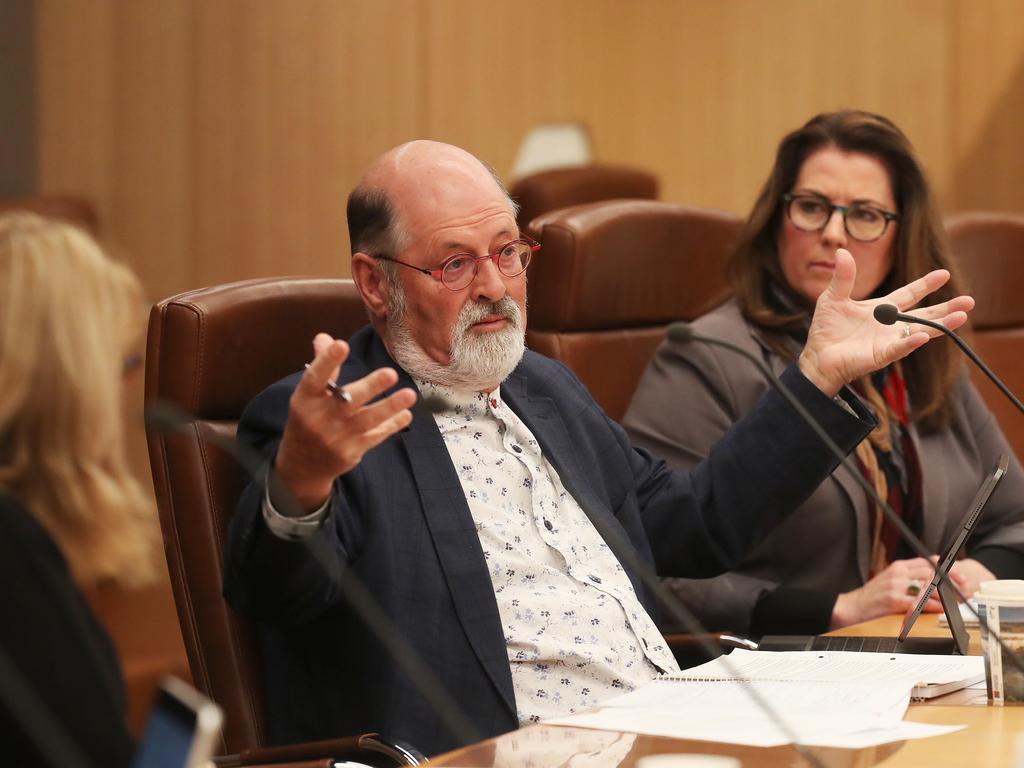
(680, 331)
(165, 418)
(886, 314)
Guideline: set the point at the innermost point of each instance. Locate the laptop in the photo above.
(957, 643)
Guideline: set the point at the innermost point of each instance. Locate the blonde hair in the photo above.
(68, 316)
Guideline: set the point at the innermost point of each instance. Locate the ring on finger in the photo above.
(914, 587)
(906, 330)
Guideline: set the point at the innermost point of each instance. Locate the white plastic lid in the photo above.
(1004, 591)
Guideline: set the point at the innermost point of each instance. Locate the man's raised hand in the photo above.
(326, 436)
(845, 341)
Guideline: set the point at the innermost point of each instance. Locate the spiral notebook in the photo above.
(928, 676)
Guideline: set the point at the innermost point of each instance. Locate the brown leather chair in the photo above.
(76, 210)
(609, 278)
(990, 250)
(561, 187)
(209, 351)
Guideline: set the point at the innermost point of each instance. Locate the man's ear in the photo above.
(370, 282)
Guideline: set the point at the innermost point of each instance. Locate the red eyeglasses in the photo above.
(460, 269)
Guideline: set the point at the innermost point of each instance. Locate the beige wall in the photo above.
(219, 139)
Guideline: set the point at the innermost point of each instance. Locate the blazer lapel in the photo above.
(855, 496)
(542, 418)
(456, 541)
(545, 422)
(863, 511)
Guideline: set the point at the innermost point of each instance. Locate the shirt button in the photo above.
(517, 449)
(595, 579)
(548, 525)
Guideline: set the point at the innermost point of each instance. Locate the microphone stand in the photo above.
(888, 314)
(682, 332)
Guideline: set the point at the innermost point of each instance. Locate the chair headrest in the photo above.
(627, 263)
(990, 250)
(212, 350)
(561, 187)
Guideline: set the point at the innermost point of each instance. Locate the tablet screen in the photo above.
(168, 736)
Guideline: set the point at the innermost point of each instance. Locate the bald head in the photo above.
(416, 186)
(418, 207)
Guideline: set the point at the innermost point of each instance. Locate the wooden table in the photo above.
(990, 739)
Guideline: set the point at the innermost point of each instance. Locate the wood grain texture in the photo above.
(220, 140)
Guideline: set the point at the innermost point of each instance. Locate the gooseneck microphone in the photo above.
(166, 418)
(683, 333)
(889, 314)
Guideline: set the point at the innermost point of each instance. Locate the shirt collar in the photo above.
(460, 401)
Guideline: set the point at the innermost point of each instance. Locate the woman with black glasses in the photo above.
(844, 180)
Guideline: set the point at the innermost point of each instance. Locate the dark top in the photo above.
(58, 649)
(400, 522)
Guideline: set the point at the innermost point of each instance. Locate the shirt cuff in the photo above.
(292, 528)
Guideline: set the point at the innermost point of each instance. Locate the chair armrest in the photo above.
(722, 639)
(368, 748)
(690, 651)
(399, 751)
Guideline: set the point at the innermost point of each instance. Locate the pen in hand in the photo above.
(339, 392)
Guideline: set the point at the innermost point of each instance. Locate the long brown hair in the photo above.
(68, 315)
(919, 246)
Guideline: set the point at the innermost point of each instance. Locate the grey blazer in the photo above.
(825, 545)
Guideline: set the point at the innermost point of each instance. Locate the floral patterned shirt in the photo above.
(575, 630)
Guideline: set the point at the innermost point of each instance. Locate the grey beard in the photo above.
(477, 363)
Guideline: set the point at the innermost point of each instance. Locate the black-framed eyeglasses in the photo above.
(459, 270)
(811, 213)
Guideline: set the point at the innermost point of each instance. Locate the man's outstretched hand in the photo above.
(326, 436)
(845, 341)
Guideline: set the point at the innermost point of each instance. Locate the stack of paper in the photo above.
(759, 698)
(969, 618)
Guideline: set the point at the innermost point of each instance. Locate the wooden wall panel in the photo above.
(220, 140)
(699, 92)
(987, 154)
(290, 104)
(74, 68)
(149, 184)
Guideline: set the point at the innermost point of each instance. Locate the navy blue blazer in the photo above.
(400, 522)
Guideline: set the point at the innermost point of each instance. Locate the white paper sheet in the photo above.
(756, 731)
(828, 699)
(969, 618)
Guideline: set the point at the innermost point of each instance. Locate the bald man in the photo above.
(472, 522)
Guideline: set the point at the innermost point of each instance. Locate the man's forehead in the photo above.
(448, 196)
